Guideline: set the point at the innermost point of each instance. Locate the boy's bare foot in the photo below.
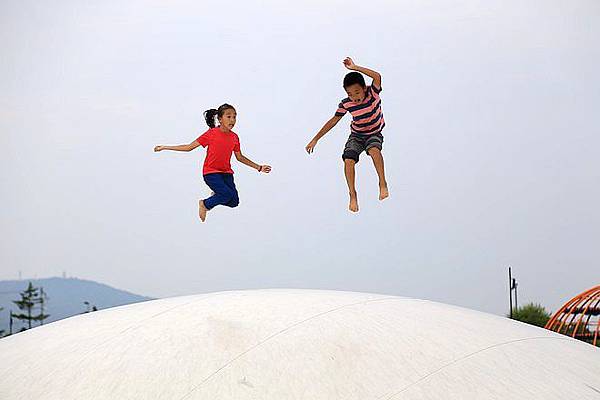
(202, 210)
(353, 203)
(383, 192)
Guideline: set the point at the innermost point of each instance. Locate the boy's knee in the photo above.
(373, 151)
(350, 157)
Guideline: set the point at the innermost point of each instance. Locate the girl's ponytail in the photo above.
(210, 116)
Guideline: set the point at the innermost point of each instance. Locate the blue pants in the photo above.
(225, 192)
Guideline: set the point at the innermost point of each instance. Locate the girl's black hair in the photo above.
(209, 115)
(354, 77)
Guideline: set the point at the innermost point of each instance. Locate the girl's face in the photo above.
(227, 121)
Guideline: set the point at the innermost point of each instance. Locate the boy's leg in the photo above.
(377, 157)
(354, 146)
(350, 174)
(235, 200)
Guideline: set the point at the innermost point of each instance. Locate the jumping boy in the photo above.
(364, 104)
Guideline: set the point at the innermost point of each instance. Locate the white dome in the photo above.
(294, 344)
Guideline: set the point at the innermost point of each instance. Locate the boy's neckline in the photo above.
(367, 94)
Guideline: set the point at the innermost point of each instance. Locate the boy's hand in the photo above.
(159, 148)
(349, 63)
(310, 147)
(264, 168)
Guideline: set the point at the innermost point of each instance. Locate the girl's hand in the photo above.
(159, 148)
(310, 147)
(264, 168)
(349, 63)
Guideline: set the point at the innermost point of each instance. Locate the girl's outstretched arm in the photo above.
(181, 147)
(376, 76)
(245, 160)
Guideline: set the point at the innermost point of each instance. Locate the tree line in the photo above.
(32, 309)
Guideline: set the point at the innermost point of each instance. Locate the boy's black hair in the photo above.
(354, 77)
(211, 115)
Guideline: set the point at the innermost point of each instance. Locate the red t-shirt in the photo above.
(220, 146)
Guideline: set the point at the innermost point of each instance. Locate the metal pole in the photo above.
(510, 292)
(42, 305)
(515, 284)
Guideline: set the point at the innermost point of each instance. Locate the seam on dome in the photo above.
(463, 358)
(593, 388)
(228, 363)
(139, 323)
(166, 311)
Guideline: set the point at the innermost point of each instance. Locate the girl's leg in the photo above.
(222, 193)
(377, 157)
(202, 210)
(350, 174)
(235, 200)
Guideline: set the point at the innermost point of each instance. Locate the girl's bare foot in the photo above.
(353, 203)
(202, 210)
(383, 192)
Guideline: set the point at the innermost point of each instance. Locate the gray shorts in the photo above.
(356, 144)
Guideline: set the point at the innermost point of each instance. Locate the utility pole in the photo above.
(510, 292)
(515, 284)
(512, 285)
(42, 300)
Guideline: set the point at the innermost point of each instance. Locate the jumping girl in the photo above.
(221, 142)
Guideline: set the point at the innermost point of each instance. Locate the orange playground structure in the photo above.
(579, 317)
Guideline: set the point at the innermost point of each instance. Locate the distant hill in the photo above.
(66, 297)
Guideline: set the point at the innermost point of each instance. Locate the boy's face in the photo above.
(227, 121)
(356, 92)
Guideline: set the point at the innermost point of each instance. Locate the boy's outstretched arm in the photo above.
(181, 147)
(245, 160)
(326, 128)
(376, 76)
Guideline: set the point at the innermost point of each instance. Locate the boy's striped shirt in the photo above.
(367, 116)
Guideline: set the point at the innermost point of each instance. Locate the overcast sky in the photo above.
(491, 146)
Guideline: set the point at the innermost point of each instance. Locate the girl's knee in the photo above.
(234, 202)
(233, 199)
(224, 196)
